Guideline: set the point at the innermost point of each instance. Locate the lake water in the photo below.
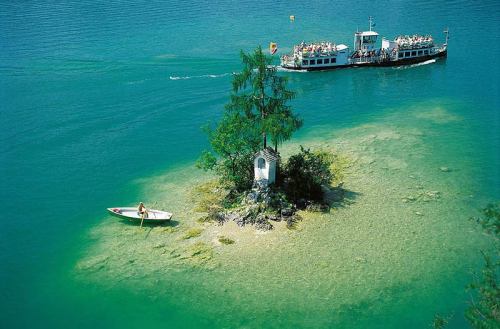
(101, 104)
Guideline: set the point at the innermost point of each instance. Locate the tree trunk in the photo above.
(263, 114)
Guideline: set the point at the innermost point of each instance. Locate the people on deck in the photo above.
(414, 41)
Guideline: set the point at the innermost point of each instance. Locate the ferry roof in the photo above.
(367, 33)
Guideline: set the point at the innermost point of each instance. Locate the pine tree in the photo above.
(258, 109)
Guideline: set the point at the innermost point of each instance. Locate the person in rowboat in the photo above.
(142, 211)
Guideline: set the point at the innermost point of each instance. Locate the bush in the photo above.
(305, 173)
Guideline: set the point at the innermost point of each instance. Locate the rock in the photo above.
(444, 169)
(409, 198)
(264, 226)
(287, 212)
(274, 218)
(291, 222)
(324, 207)
(94, 264)
(317, 207)
(433, 194)
(159, 245)
(360, 260)
(301, 203)
(252, 197)
(240, 221)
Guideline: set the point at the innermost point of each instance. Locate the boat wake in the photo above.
(430, 61)
(208, 76)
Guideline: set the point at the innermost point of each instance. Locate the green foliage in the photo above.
(439, 322)
(263, 96)
(339, 165)
(192, 233)
(225, 240)
(490, 221)
(484, 308)
(257, 108)
(305, 173)
(235, 140)
(207, 160)
(208, 195)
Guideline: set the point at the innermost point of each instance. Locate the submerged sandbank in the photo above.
(400, 240)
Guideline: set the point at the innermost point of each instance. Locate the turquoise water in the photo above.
(95, 96)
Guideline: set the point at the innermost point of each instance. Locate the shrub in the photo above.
(305, 173)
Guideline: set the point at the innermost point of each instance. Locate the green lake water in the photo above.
(101, 105)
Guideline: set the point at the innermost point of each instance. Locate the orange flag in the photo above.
(273, 48)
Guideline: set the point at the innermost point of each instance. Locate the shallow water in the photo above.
(101, 104)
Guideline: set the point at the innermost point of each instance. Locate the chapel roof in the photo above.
(269, 154)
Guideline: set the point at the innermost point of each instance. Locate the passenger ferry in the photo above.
(402, 50)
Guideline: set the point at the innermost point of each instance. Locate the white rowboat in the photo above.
(132, 214)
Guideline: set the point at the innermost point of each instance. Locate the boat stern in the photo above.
(288, 62)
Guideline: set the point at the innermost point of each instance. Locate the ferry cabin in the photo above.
(402, 54)
(303, 60)
(364, 48)
(409, 52)
(338, 58)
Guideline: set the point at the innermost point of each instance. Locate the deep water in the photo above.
(97, 95)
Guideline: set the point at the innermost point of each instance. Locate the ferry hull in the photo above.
(401, 62)
(408, 61)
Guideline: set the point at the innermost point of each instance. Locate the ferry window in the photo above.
(369, 39)
(426, 52)
(334, 60)
(401, 55)
(312, 62)
(305, 62)
(320, 61)
(407, 54)
(327, 61)
(419, 52)
(414, 53)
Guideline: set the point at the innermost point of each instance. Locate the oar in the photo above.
(142, 217)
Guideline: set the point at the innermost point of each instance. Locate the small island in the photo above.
(258, 186)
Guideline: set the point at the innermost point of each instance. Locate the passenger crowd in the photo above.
(414, 41)
(315, 49)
